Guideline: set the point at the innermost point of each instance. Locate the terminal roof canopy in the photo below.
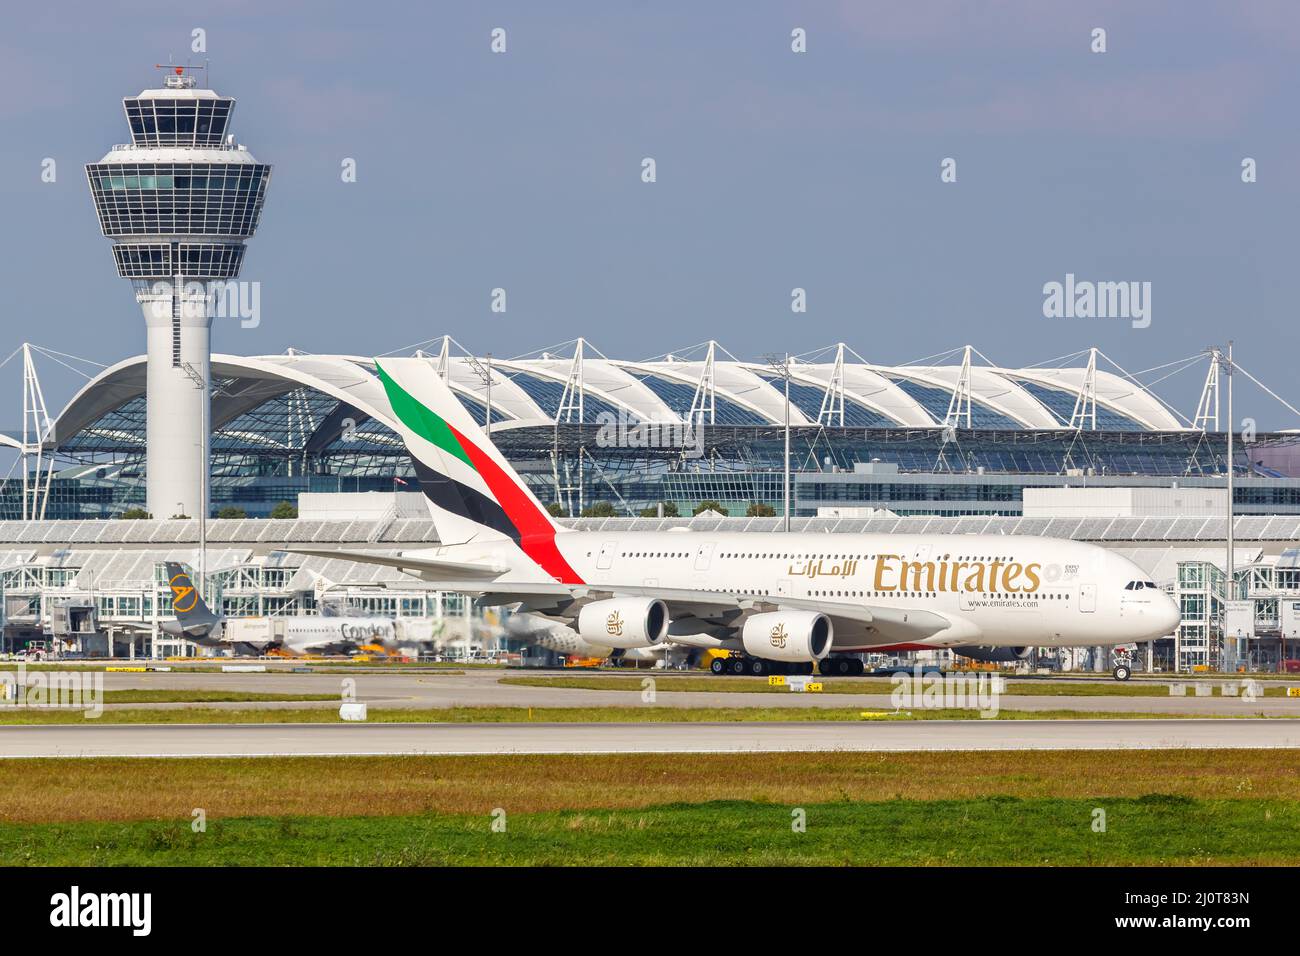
(544, 391)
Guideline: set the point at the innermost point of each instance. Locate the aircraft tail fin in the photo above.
(473, 492)
(187, 603)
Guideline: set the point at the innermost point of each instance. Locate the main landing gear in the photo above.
(841, 667)
(757, 667)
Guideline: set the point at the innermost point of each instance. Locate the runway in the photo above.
(430, 689)
(237, 740)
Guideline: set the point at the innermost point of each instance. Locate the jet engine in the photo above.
(787, 636)
(624, 622)
(993, 655)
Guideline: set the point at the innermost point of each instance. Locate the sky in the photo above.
(774, 170)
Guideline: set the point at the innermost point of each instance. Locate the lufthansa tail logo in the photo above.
(184, 597)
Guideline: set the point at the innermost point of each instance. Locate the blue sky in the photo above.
(775, 170)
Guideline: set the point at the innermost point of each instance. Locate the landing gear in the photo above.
(760, 667)
(842, 667)
(1121, 672)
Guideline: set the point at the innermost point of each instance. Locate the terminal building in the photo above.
(596, 435)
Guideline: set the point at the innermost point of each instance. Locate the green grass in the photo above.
(625, 715)
(854, 685)
(998, 808)
(1152, 829)
(166, 696)
(89, 789)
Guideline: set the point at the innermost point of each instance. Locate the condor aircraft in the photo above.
(779, 600)
(304, 634)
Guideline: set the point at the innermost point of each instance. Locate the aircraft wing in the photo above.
(422, 566)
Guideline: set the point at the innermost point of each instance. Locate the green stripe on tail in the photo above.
(421, 420)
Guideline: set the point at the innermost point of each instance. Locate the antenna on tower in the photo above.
(180, 77)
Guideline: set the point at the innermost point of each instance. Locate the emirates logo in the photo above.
(778, 637)
(614, 625)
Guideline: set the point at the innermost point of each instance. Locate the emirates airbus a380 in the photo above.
(779, 601)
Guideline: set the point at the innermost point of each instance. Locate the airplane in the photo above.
(304, 634)
(777, 601)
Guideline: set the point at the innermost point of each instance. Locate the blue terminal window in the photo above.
(478, 410)
(808, 399)
(1062, 405)
(678, 396)
(548, 393)
(936, 402)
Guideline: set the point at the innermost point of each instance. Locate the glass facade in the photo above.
(548, 393)
(1061, 404)
(678, 396)
(176, 121)
(809, 398)
(157, 260)
(169, 199)
(936, 401)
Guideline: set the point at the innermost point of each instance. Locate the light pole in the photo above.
(781, 365)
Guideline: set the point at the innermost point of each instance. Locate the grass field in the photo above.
(852, 685)
(166, 696)
(1161, 807)
(644, 713)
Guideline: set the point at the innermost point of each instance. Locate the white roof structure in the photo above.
(545, 390)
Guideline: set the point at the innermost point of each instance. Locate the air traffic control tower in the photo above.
(178, 201)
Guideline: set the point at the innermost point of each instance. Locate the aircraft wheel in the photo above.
(737, 666)
(1121, 672)
(718, 665)
(757, 667)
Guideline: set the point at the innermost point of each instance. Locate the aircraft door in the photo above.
(1087, 598)
(605, 560)
(703, 554)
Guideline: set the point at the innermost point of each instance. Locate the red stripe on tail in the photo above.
(536, 532)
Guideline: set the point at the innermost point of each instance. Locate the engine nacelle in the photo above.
(993, 655)
(787, 636)
(624, 622)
